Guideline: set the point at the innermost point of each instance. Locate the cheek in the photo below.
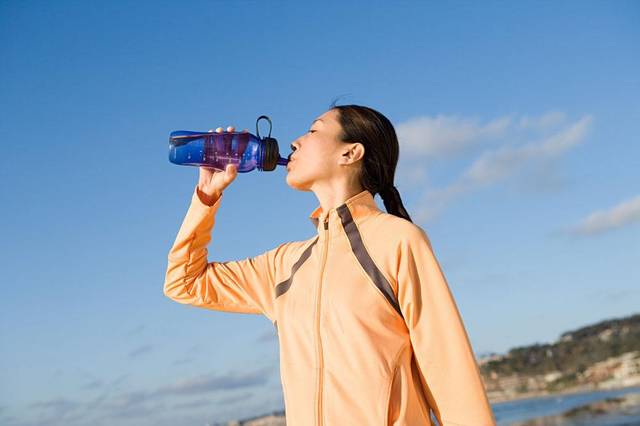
(316, 159)
(318, 163)
(314, 165)
(320, 152)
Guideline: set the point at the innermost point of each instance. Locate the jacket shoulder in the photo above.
(396, 230)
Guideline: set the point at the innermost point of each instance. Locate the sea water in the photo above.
(510, 412)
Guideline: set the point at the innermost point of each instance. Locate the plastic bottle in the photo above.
(216, 150)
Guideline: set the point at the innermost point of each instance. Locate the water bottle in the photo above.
(216, 150)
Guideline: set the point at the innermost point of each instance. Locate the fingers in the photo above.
(229, 129)
(231, 170)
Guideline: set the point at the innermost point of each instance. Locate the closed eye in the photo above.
(311, 131)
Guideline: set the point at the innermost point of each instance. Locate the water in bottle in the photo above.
(216, 150)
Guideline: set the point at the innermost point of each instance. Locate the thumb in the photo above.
(230, 172)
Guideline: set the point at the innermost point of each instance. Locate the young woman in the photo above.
(369, 331)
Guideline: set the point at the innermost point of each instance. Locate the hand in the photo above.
(212, 182)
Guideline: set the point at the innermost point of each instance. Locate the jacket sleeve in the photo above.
(244, 286)
(448, 369)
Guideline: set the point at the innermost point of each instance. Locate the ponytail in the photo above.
(393, 203)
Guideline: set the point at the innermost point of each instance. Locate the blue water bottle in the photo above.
(216, 150)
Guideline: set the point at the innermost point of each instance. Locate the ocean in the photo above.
(515, 412)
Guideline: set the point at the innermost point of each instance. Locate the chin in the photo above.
(298, 184)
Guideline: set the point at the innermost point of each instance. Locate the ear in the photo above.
(352, 153)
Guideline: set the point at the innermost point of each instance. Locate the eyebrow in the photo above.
(317, 119)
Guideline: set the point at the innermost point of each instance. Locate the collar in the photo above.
(358, 206)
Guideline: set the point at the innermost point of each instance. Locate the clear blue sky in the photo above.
(518, 125)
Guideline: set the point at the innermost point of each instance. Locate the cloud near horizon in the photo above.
(103, 408)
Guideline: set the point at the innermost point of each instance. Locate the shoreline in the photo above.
(571, 391)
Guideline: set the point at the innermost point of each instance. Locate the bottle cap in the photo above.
(270, 150)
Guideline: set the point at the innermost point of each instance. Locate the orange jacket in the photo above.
(368, 329)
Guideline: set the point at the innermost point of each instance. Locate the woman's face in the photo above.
(316, 154)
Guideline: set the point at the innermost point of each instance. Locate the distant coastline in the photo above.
(616, 409)
(564, 392)
(601, 356)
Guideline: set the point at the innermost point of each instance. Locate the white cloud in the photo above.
(162, 401)
(543, 122)
(504, 161)
(215, 382)
(448, 135)
(623, 214)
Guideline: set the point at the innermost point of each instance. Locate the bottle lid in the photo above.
(270, 151)
(271, 154)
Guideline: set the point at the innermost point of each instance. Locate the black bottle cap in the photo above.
(270, 150)
(271, 153)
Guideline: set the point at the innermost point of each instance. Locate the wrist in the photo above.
(208, 199)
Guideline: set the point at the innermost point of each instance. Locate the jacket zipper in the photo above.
(320, 359)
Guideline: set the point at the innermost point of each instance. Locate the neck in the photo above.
(332, 197)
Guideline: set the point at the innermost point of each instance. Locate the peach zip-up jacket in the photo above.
(369, 331)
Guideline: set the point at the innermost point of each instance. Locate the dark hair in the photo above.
(377, 135)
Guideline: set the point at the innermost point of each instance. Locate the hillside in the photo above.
(602, 355)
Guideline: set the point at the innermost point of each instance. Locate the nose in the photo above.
(293, 148)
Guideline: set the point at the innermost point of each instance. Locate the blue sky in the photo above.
(518, 127)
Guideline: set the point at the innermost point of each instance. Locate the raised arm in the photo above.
(246, 286)
(447, 365)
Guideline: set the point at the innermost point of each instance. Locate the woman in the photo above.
(368, 329)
